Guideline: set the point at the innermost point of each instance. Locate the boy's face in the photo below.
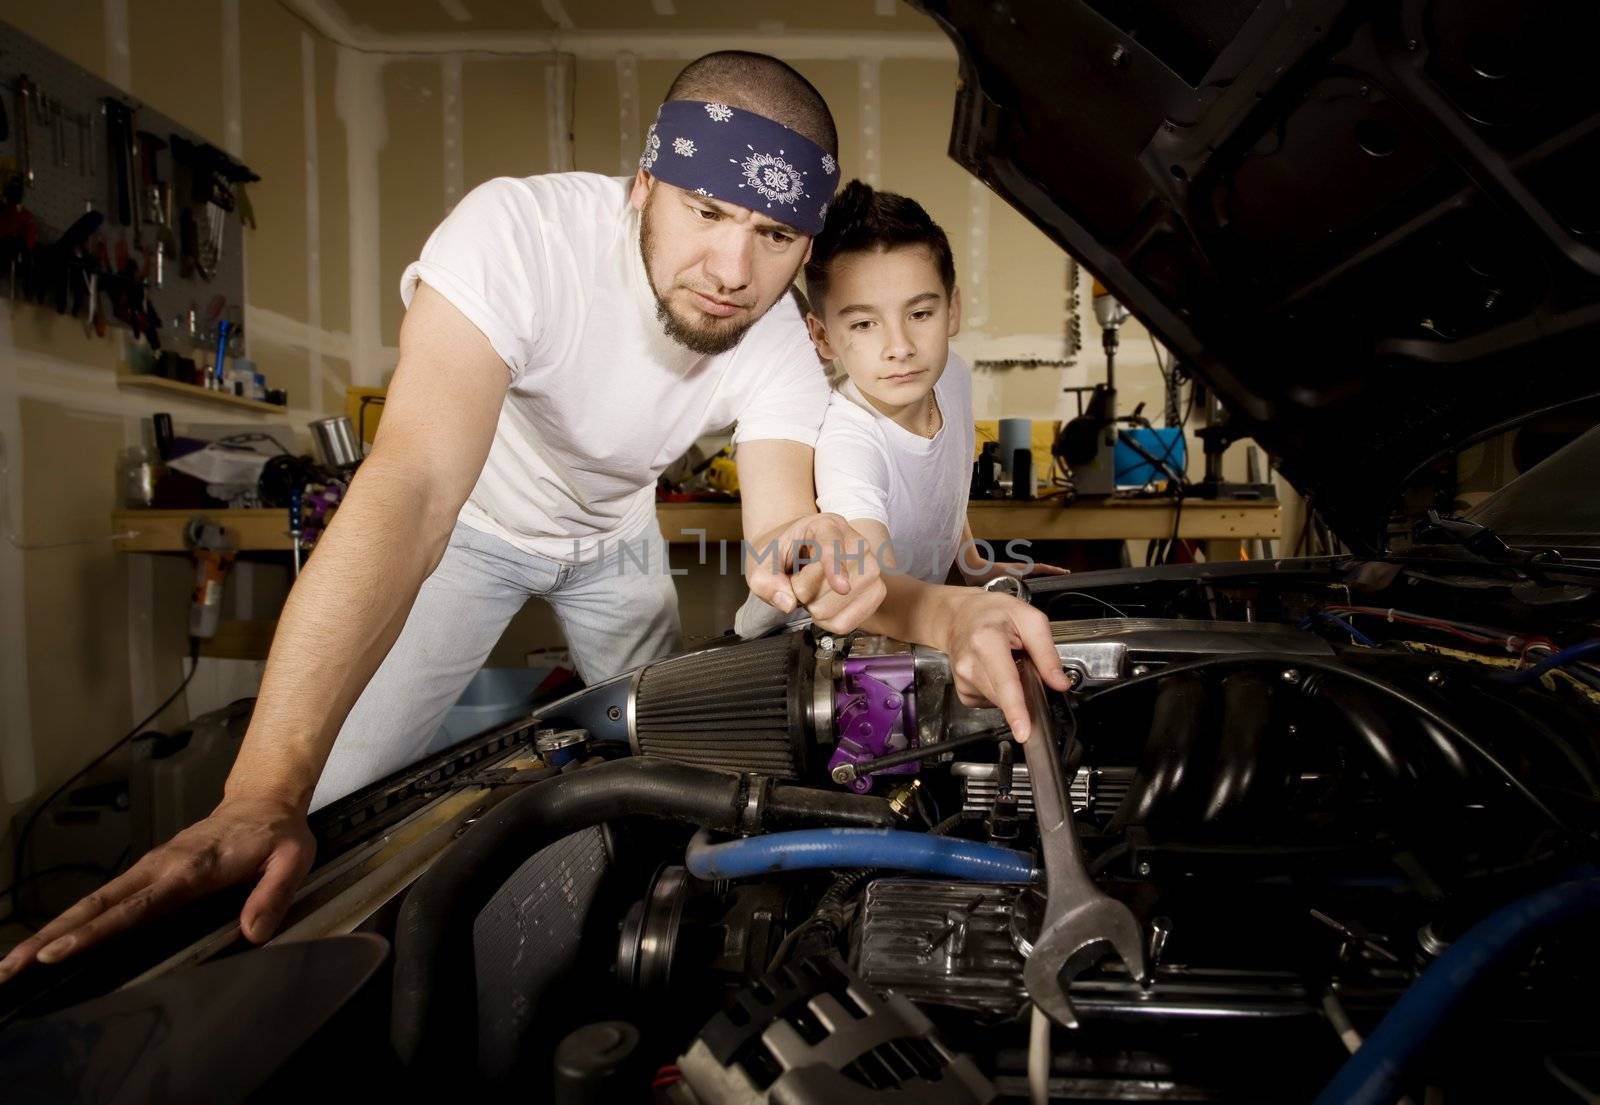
(888, 322)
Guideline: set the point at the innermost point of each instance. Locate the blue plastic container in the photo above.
(494, 697)
(1165, 444)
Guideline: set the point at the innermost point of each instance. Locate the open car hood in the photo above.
(1373, 228)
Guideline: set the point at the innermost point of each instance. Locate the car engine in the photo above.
(1320, 816)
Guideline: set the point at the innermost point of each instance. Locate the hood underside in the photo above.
(1371, 227)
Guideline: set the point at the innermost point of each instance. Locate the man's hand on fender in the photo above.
(244, 839)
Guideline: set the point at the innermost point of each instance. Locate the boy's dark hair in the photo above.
(861, 220)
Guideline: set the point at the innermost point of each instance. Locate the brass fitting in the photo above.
(903, 800)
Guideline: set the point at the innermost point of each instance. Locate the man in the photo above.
(567, 336)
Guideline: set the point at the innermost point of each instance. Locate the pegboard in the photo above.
(69, 153)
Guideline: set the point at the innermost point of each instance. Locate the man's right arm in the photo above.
(340, 620)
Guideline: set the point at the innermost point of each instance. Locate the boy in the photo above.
(894, 456)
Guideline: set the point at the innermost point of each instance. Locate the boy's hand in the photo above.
(984, 629)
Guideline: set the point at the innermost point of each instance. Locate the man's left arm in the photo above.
(779, 513)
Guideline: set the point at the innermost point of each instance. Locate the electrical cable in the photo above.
(1468, 631)
(19, 856)
(1305, 530)
(1086, 595)
(1566, 656)
(1356, 635)
(1039, 1058)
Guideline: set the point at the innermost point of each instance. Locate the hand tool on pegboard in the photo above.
(26, 93)
(214, 179)
(119, 146)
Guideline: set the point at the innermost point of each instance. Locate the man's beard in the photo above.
(707, 341)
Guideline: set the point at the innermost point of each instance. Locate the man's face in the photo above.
(715, 267)
(888, 321)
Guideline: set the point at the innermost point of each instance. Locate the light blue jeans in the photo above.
(614, 616)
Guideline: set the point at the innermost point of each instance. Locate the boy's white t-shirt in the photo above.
(600, 399)
(869, 466)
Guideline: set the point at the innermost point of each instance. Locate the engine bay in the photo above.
(1295, 841)
(1301, 816)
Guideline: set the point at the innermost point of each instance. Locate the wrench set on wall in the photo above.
(110, 212)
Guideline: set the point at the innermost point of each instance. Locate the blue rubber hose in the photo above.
(1372, 1076)
(810, 849)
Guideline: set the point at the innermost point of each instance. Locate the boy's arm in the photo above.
(978, 569)
(978, 630)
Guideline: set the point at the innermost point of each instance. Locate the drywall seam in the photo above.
(605, 45)
(276, 329)
(456, 10)
(628, 112)
(558, 14)
(871, 108)
(664, 7)
(450, 101)
(16, 741)
(975, 281)
(232, 96)
(315, 336)
(558, 77)
(119, 59)
(359, 101)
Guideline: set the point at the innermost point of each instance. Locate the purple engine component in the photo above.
(875, 714)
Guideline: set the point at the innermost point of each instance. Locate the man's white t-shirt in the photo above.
(869, 466)
(600, 399)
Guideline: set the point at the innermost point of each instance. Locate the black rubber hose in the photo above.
(434, 1021)
(788, 806)
(826, 923)
(1166, 764)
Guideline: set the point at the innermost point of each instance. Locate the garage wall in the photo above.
(453, 120)
(92, 638)
(362, 151)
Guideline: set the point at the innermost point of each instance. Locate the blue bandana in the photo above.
(743, 158)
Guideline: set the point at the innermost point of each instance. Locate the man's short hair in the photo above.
(762, 84)
(863, 220)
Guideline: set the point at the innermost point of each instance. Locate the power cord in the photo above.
(20, 855)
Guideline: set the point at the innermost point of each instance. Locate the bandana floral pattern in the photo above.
(743, 158)
(652, 149)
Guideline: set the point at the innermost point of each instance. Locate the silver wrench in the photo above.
(1081, 923)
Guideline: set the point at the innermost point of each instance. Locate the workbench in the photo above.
(1223, 526)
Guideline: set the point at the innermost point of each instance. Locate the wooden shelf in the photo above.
(194, 391)
(1223, 523)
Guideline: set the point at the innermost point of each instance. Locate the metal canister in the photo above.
(335, 441)
(559, 747)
